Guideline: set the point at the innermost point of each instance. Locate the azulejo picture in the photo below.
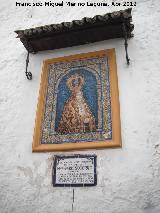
(78, 106)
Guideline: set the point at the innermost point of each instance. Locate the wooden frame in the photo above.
(114, 140)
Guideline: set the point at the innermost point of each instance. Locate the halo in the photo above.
(76, 77)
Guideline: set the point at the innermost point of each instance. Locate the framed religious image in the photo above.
(78, 105)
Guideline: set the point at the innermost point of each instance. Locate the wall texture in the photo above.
(128, 178)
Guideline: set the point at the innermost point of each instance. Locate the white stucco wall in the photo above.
(129, 177)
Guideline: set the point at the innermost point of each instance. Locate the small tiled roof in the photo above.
(77, 32)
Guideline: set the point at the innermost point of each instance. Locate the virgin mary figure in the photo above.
(76, 116)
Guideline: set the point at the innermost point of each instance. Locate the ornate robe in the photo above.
(76, 116)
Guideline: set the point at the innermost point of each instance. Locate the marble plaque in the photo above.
(75, 170)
